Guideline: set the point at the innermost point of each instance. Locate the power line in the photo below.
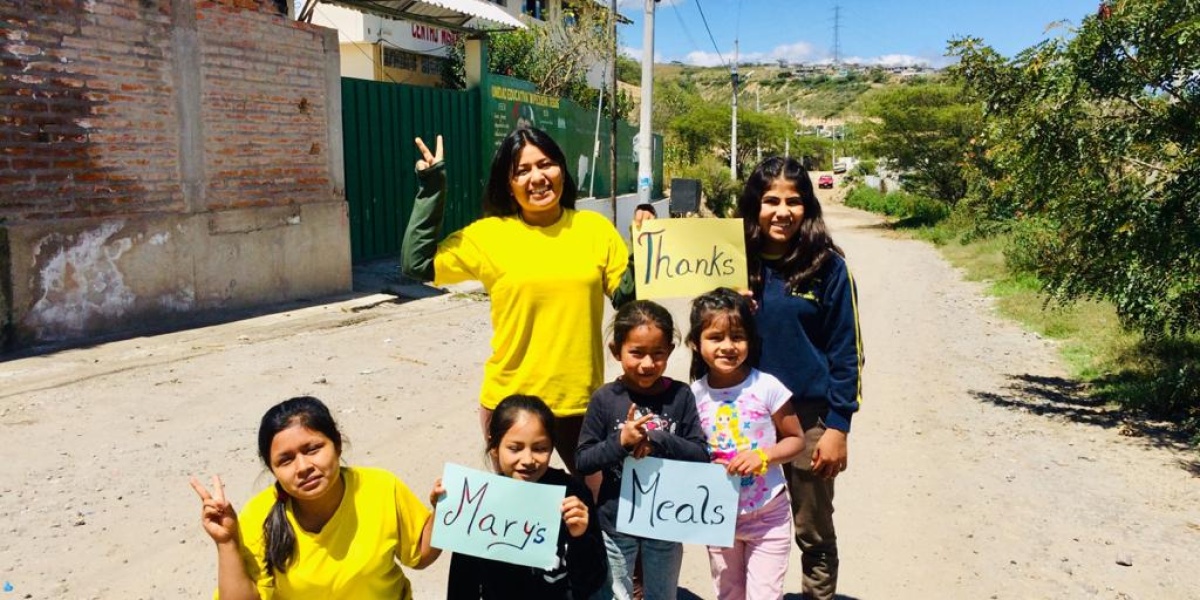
(686, 33)
(710, 35)
(837, 26)
(737, 26)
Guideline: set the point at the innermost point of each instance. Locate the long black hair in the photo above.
(812, 245)
(307, 412)
(498, 200)
(721, 302)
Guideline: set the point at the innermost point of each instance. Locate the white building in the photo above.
(406, 41)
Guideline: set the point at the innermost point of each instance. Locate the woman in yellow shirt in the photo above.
(546, 266)
(323, 530)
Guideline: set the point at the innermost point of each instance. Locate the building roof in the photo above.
(457, 15)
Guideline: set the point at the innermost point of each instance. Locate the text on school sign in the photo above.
(686, 257)
(678, 501)
(496, 517)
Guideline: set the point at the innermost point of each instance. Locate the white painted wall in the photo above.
(358, 60)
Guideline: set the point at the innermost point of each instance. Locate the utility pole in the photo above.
(733, 77)
(757, 141)
(837, 26)
(612, 108)
(645, 135)
(787, 142)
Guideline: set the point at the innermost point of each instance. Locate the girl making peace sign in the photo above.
(323, 530)
(545, 266)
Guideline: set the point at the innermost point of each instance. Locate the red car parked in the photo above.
(825, 181)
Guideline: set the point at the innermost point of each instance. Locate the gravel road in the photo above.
(976, 469)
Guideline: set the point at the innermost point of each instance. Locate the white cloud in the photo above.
(901, 60)
(636, 54)
(795, 53)
(888, 60)
(703, 59)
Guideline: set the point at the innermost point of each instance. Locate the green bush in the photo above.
(1160, 380)
(911, 209)
(720, 192)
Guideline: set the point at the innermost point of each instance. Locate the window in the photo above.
(399, 59)
(535, 9)
(432, 66)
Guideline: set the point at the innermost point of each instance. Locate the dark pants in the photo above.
(812, 512)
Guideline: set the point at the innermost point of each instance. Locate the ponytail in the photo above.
(277, 531)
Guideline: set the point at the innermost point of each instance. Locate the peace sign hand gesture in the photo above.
(217, 514)
(428, 159)
(633, 430)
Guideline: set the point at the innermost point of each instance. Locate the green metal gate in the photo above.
(379, 124)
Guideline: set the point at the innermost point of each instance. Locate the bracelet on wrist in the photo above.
(766, 462)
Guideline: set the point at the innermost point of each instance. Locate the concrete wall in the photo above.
(626, 205)
(160, 158)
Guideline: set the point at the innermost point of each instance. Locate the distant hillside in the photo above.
(826, 98)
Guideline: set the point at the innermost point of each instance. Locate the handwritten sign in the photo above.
(678, 501)
(496, 517)
(686, 257)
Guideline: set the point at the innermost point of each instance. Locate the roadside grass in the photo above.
(1152, 382)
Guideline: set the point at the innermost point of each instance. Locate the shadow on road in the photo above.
(1069, 399)
(686, 594)
(368, 279)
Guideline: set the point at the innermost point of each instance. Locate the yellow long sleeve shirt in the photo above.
(547, 287)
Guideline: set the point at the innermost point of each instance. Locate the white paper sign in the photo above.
(678, 501)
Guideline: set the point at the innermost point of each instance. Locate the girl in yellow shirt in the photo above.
(323, 530)
(546, 267)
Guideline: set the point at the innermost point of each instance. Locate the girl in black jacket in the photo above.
(520, 441)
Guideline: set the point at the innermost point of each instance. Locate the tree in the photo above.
(702, 130)
(923, 130)
(629, 70)
(554, 56)
(1091, 144)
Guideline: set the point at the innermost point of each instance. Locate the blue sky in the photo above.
(889, 32)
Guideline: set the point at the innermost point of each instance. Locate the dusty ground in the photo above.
(976, 471)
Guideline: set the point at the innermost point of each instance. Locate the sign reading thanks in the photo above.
(686, 257)
(678, 501)
(496, 517)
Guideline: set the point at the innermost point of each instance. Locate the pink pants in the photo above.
(754, 568)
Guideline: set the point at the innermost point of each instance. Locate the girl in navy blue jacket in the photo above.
(808, 324)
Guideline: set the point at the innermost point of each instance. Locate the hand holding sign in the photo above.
(436, 493)
(575, 515)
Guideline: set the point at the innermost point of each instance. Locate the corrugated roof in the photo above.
(459, 15)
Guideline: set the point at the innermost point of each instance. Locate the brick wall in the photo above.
(262, 142)
(89, 119)
(114, 113)
(83, 122)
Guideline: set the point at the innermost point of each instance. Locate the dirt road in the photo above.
(975, 473)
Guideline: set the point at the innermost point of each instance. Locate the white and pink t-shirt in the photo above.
(739, 418)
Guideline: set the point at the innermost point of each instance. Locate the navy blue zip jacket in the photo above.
(810, 340)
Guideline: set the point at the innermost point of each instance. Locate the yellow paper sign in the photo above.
(676, 258)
